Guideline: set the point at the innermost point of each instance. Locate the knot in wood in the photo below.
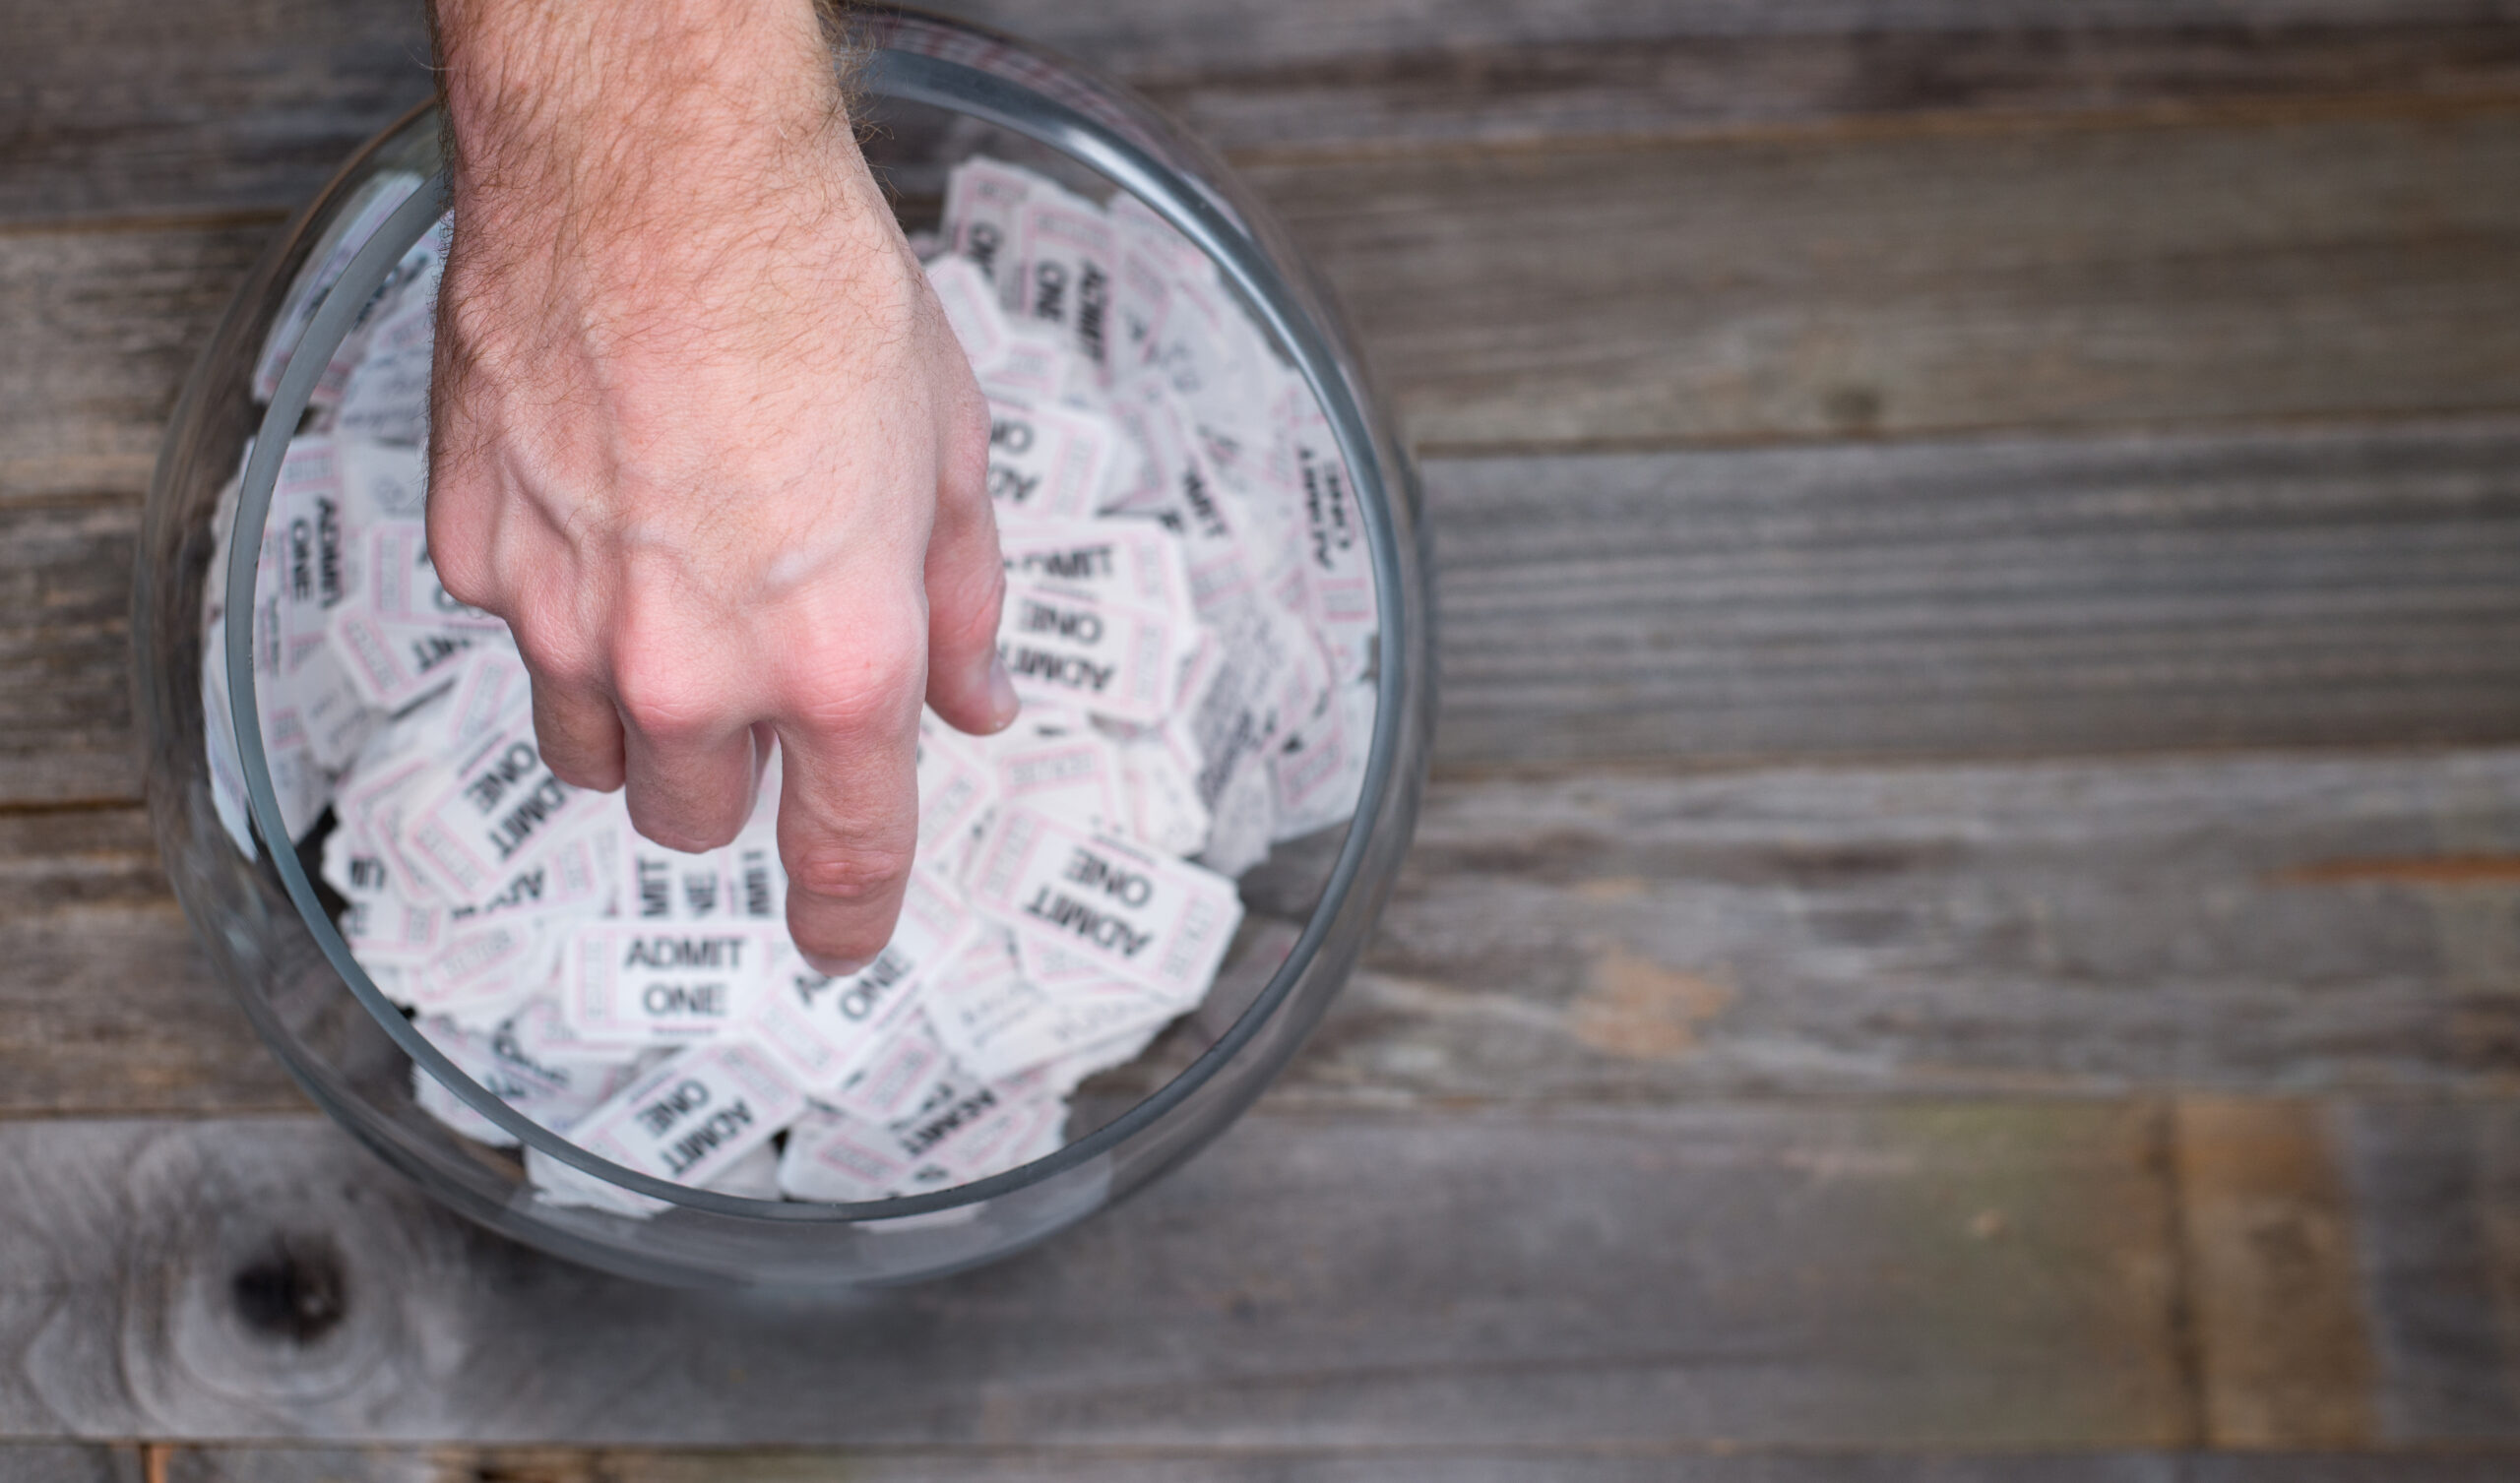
(295, 1290)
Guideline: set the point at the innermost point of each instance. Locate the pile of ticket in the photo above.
(1190, 622)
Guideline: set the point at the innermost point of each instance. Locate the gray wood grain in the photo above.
(1601, 1281)
(268, 1464)
(263, 1464)
(71, 1462)
(2437, 1204)
(2340, 587)
(1903, 285)
(65, 679)
(1430, 91)
(103, 324)
(1906, 285)
(106, 1005)
(1955, 600)
(122, 107)
(2252, 922)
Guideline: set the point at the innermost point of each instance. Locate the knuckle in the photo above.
(850, 873)
(667, 701)
(870, 682)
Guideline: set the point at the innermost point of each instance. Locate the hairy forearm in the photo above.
(614, 118)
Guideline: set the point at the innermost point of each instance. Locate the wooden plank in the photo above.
(2275, 1299)
(265, 1464)
(103, 327)
(2437, 1192)
(70, 1462)
(2254, 922)
(65, 653)
(1907, 286)
(1604, 1281)
(245, 1464)
(1673, 84)
(1911, 284)
(1972, 597)
(127, 110)
(271, 1465)
(106, 1005)
(2248, 923)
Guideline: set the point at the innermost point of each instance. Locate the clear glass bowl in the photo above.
(934, 91)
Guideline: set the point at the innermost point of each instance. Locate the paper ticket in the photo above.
(1069, 258)
(1131, 561)
(1161, 923)
(1074, 778)
(629, 984)
(841, 1159)
(483, 969)
(694, 1115)
(956, 786)
(404, 586)
(393, 664)
(970, 302)
(826, 1028)
(553, 1095)
(984, 201)
(896, 1079)
(385, 482)
(491, 817)
(1114, 659)
(1047, 460)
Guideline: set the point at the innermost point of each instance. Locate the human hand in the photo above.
(701, 435)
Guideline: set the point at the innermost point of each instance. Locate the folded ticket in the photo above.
(1114, 659)
(491, 817)
(826, 1030)
(1159, 923)
(1123, 561)
(1048, 461)
(693, 1116)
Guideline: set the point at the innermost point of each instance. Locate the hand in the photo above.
(701, 435)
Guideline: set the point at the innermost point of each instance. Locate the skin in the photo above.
(701, 435)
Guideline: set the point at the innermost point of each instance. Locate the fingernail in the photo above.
(1003, 707)
(836, 967)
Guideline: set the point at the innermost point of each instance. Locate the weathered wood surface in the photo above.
(188, 1464)
(1905, 1275)
(105, 1003)
(2274, 1296)
(2253, 923)
(66, 728)
(123, 108)
(1490, 1227)
(2438, 1217)
(1906, 285)
(1942, 1280)
(1982, 598)
(1954, 599)
(103, 327)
